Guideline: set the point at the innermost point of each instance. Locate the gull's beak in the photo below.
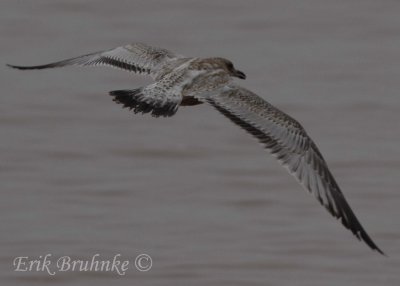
(240, 74)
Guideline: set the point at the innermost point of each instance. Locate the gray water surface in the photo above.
(80, 176)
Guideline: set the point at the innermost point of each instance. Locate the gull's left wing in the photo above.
(137, 57)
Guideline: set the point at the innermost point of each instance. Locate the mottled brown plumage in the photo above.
(185, 81)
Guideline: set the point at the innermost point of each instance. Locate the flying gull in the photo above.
(189, 81)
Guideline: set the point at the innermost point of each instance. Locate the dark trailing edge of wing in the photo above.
(346, 215)
(136, 101)
(123, 65)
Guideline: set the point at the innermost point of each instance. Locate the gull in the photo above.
(189, 81)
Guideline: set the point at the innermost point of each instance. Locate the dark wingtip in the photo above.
(363, 236)
(381, 252)
(19, 67)
(374, 247)
(52, 65)
(12, 66)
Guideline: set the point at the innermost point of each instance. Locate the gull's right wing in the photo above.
(287, 140)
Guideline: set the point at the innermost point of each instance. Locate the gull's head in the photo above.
(228, 66)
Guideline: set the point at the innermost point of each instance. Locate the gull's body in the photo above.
(184, 81)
